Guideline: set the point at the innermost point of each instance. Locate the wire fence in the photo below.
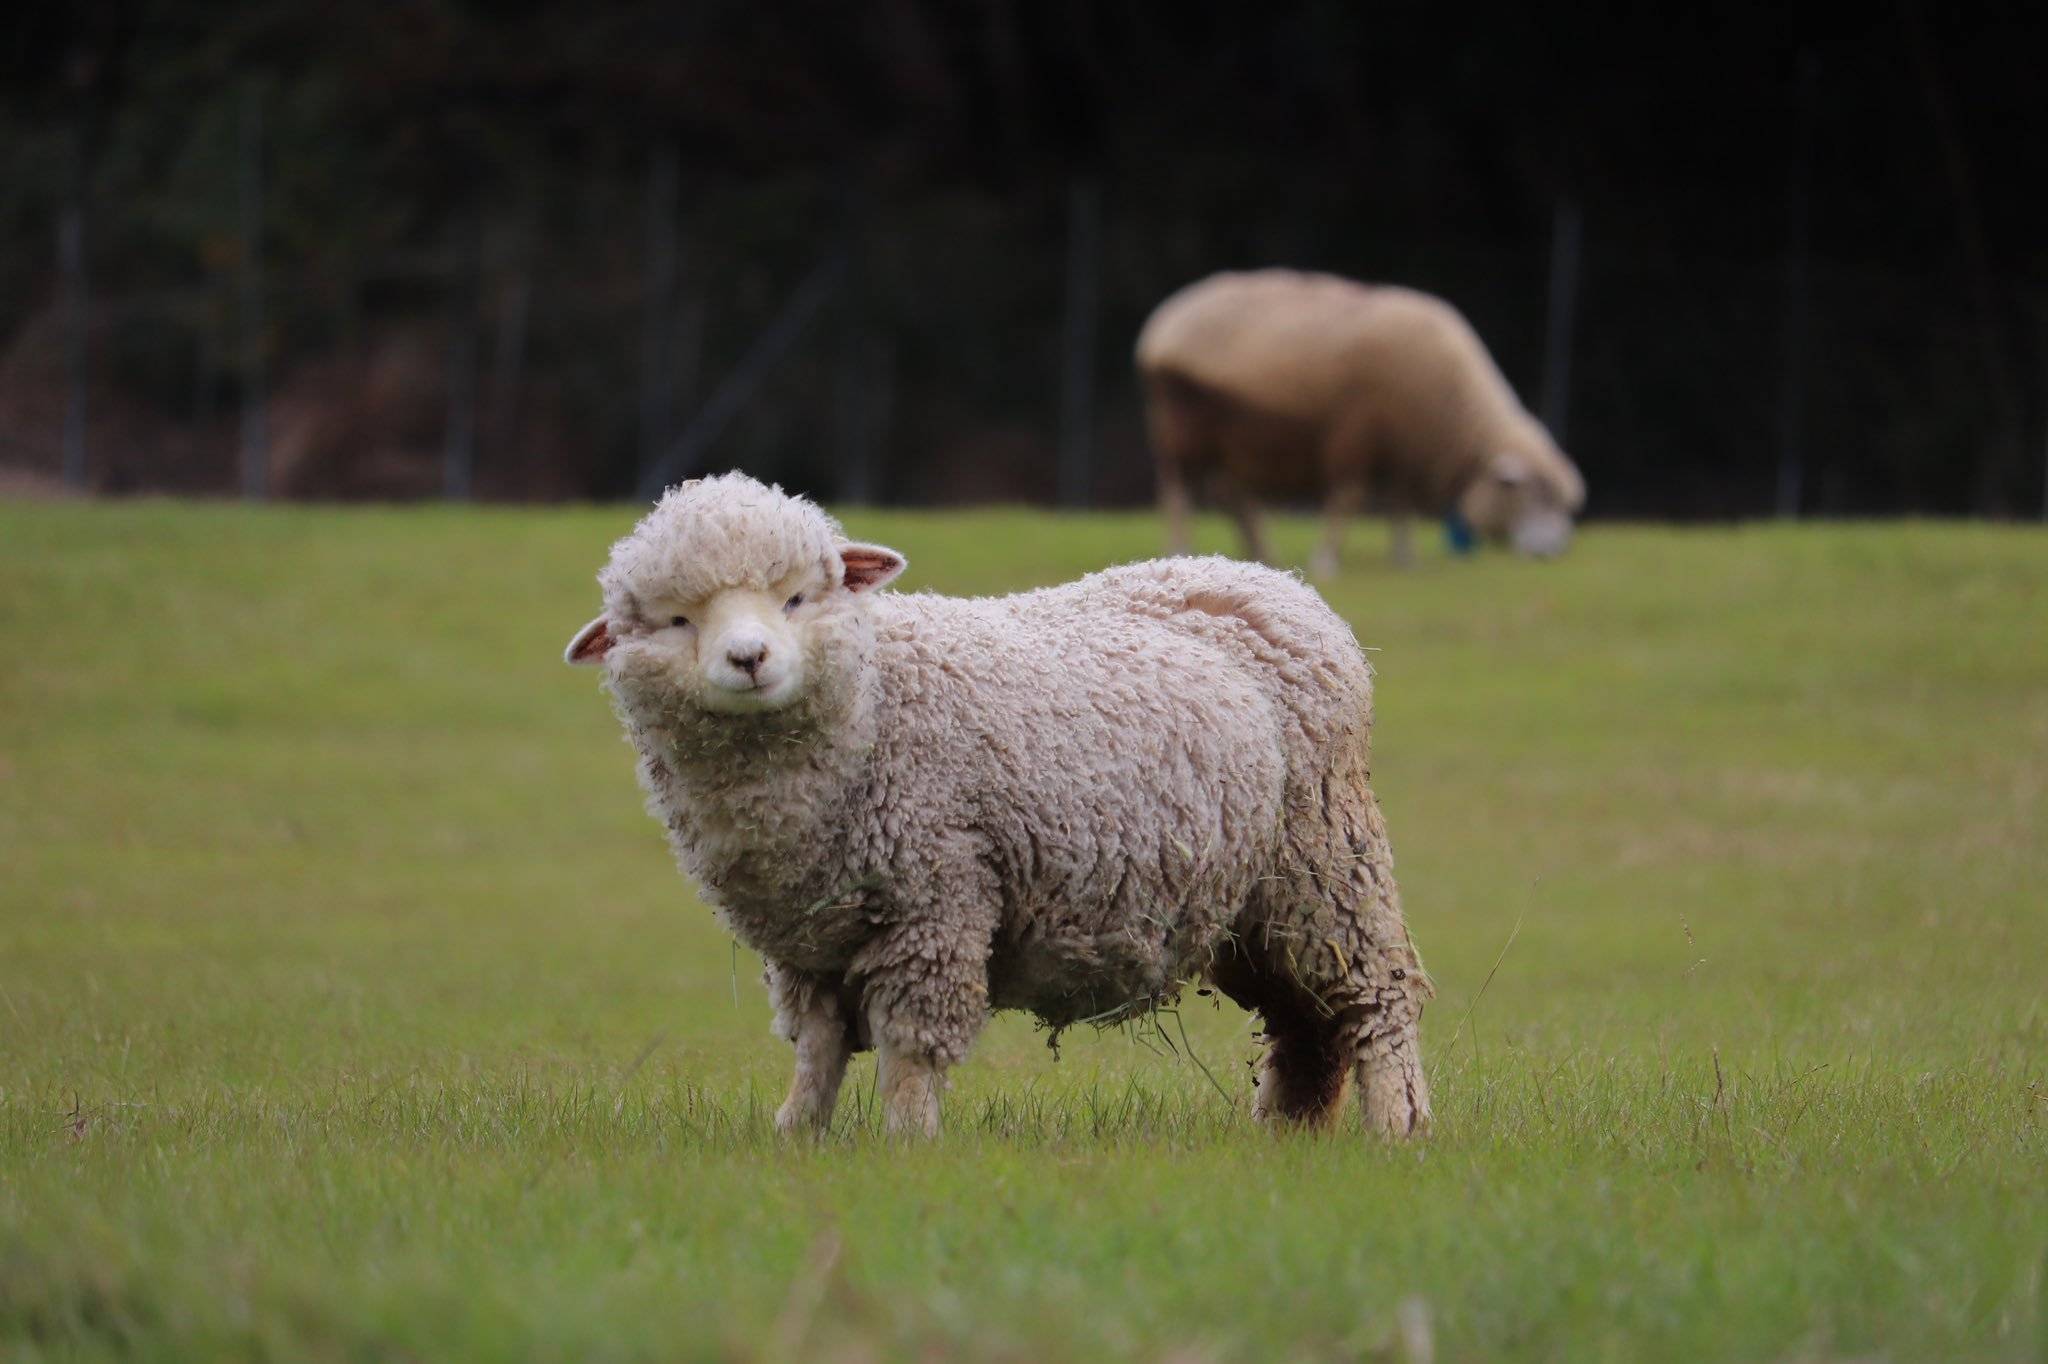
(967, 346)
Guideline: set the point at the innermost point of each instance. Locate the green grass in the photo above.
(350, 1007)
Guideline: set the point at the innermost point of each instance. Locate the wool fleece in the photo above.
(1074, 801)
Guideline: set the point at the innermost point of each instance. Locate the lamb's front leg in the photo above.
(811, 1015)
(926, 996)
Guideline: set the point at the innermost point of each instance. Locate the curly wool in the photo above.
(1070, 801)
(728, 531)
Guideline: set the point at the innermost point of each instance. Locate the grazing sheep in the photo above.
(920, 808)
(1280, 384)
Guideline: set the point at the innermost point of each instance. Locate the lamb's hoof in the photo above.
(792, 1120)
(914, 1125)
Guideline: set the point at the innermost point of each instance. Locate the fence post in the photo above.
(77, 314)
(508, 339)
(458, 455)
(1077, 386)
(867, 372)
(249, 200)
(2006, 447)
(658, 288)
(1567, 224)
(207, 361)
(852, 406)
(1798, 285)
(881, 406)
(737, 389)
(849, 412)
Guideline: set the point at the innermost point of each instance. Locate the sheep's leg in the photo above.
(1245, 512)
(910, 1084)
(1368, 968)
(1379, 987)
(925, 990)
(823, 1047)
(811, 1015)
(1304, 1073)
(1346, 497)
(1324, 956)
(1351, 1016)
(1392, 1093)
(1401, 535)
(1306, 1069)
(1174, 505)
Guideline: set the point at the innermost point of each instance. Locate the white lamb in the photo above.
(1073, 801)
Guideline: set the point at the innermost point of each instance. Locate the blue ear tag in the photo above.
(1458, 534)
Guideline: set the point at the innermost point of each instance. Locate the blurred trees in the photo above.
(538, 250)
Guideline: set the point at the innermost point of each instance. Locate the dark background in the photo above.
(1748, 260)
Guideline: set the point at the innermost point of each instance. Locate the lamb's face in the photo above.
(730, 598)
(736, 650)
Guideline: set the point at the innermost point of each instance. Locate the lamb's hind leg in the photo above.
(1392, 1092)
(1328, 935)
(1378, 986)
(1358, 951)
(910, 1082)
(1373, 994)
(1304, 1073)
(1305, 1070)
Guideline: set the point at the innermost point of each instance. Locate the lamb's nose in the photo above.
(746, 657)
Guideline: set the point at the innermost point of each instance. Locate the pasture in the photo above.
(350, 1006)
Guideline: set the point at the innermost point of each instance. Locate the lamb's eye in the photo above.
(678, 621)
(794, 602)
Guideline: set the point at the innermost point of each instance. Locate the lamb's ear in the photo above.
(591, 644)
(1507, 469)
(871, 566)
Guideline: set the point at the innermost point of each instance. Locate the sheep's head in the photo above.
(731, 598)
(1525, 496)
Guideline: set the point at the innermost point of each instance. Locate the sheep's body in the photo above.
(1069, 801)
(1277, 383)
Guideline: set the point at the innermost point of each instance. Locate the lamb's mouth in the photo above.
(754, 696)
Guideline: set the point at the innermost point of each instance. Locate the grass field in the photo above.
(350, 1006)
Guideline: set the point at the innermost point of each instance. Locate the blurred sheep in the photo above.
(1279, 384)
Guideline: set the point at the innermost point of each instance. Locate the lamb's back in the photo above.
(1159, 644)
(1301, 652)
(1067, 686)
(1116, 753)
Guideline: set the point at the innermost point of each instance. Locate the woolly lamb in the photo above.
(1073, 801)
(1283, 384)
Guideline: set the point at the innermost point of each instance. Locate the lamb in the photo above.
(1282, 384)
(1072, 801)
